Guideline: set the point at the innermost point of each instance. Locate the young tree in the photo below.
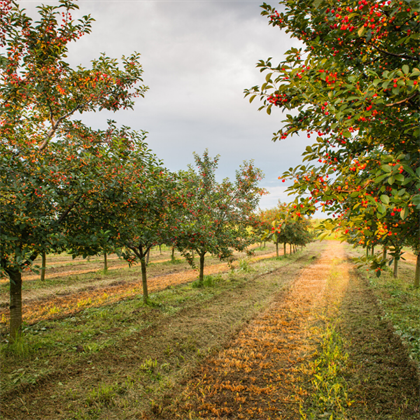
(216, 217)
(46, 171)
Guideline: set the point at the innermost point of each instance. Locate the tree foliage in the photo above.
(355, 84)
(50, 164)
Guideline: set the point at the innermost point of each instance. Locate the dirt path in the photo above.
(303, 340)
(269, 370)
(257, 376)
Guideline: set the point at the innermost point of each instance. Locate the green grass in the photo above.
(69, 339)
(400, 302)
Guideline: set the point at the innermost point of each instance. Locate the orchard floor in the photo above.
(290, 338)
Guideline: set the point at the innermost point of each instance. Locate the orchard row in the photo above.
(67, 187)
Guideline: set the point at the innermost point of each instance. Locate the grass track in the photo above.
(120, 360)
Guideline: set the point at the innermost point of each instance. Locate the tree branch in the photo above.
(70, 208)
(393, 54)
(50, 134)
(403, 100)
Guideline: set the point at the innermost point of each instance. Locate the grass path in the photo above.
(126, 360)
(296, 338)
(322, 351)
(257, 376)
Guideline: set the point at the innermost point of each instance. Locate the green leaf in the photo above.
(380, 178)
(401, 41)
(384, 199)
(386, 168)
(391, 180)
(416, 200)
(405, 69)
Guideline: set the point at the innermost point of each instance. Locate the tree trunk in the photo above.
(43, 265)
(160, 249)
(15, 303)
(290, 249)
(384, 252)
(173, 254)
(284, 249)
(147, 257)
(417, 275)
(277, 249)
(396, 266)
(144, 279)
(105, 262)
(201, 275)
(373, 250)
(367, 251)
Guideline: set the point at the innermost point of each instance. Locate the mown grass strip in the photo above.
(400, 302)
(94, 329)
(329, 393)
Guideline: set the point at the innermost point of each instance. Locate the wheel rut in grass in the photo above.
(382, 379)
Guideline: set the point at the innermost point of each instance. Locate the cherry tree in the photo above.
(49, 163)
(217, 217)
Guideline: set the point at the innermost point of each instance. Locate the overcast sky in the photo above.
(198, 57)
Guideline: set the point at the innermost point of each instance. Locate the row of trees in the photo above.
(67, 187)
(355, 84)
(279, 226)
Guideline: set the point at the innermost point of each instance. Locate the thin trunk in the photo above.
(105, 262)
(396, 266)
(160, 249)
(373, 250)
(201, 275)
(264, 244)
(384, 252)
(417, 275)
(44, 263)
(367, 251)
(284, 249)
(147, 257)
(144, 279)
(290, 249)
(277, 249)
(15, 303)
(173, 254)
